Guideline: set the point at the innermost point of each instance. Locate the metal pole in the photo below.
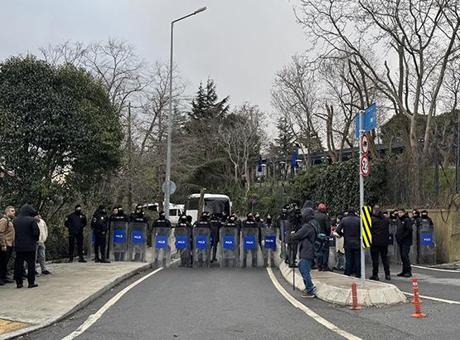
(361, 201)
(170, 118)
(167, 196)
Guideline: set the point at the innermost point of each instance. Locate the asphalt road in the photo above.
(181, 303)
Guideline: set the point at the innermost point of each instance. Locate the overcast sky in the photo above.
(239, 43)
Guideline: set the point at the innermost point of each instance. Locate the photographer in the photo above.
(306, 237)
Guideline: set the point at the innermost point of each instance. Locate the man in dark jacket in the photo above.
(75, 222)
(26, 238)
(380, 238)
(349, 228)
(404, 239)
(216, 224)
(99, 224)
(322, 253)
(306, 236)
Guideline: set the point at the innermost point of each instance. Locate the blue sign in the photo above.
(119, 236)
(249, 242)
(270, 242)
(161, 242)
(369, 117)
(181, 242)
(201, 242)
(137, 237)
(294, 156)
(426, 239)
(229, 242)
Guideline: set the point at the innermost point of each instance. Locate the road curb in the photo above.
(379, 294)
(79, 306)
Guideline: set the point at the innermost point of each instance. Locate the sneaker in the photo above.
(46, 272)
(308, 295)
(401, 274)
(374, 278)
(32, 285)
(82, 260)
(19, 285)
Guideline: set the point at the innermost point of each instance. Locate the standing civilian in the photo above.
(380, 239)
(26, 236)
(6, 243)
(349, 228)
(41, 249)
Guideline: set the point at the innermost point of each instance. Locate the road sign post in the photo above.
(361, 199)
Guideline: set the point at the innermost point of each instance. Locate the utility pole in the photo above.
(130, 160)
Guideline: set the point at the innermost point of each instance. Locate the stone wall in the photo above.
(447, 234)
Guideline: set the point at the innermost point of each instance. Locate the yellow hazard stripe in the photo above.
(367, 225)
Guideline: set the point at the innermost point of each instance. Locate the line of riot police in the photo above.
(217, 238)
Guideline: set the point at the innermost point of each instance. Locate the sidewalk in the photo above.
(71, 286)
(336, 288)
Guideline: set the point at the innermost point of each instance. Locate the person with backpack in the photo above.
(306, 237)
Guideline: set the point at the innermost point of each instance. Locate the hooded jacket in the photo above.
(306, 235)
(26, 229)
(349, 228)
(380, 229)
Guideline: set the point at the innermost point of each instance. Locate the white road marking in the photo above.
(329, 325)
(96, 316)
(452, 302)
(437, 269)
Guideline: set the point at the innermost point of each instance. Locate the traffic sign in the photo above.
(365, 166)
(172, 187)
(365, 144)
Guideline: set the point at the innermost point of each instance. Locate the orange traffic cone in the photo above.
(354, 297)
(416, 301)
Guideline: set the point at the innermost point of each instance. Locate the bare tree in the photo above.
(415, 39)
(241, 136)
(295, 94)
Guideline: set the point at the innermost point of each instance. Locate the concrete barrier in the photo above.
(336, 288)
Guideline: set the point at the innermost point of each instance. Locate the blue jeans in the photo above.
(305, 268)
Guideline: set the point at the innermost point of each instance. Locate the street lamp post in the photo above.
(170, 115)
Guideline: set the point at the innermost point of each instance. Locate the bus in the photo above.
(213, 203)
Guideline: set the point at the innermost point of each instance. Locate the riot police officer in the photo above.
(215, 225)
(250, 233)
(202, 231)
(161, 233)
(184, 234)
(118, 215)
(99, 224)
(138, 215)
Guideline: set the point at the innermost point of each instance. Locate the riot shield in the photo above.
(427, 245)
(249, 245)
(415, 244)
(161, 247)
(183, 237)
(91, 239)
(229, 248)
(393, 250)
(269, 246)
(201, 246)
(118, 240)
(137, 241)
(283, 237)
